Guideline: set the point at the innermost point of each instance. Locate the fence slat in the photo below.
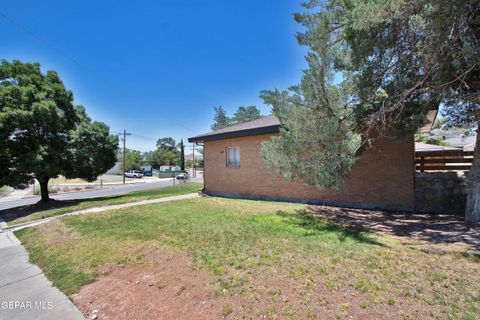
(439, 160)
(443, 153)
(444, 168)
(445, 160)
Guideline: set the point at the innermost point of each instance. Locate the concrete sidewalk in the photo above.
(25, 293)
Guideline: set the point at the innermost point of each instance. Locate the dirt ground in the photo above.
(168, 286)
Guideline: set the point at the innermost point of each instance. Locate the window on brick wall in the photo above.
(233, 156)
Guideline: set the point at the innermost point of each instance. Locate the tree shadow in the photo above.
(428, 228)
(306, 220)
(24, 211)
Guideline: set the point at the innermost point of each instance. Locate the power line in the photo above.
(184, 127)
(144, 137)
(61, 52)
(124, 139)
(75, 61)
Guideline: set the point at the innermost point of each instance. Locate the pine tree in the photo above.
(182, 155)
(244, 114)
(220, 120)
(397, 60)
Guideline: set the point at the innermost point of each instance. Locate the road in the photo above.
(107, 191)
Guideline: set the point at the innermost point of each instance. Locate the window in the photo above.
(233, 156)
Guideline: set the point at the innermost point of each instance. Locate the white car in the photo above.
(134, 174)
(182, 176)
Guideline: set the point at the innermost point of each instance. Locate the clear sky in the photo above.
(157, 68)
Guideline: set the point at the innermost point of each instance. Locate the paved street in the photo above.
(108, 191)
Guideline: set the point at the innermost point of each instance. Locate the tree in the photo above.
(43, 134)
(167, 143)
(133, 160)
(221, 120)
(167, 151)
(397, 61)
(161, 156)
(182, 155)
(430, 139)
(244, 114)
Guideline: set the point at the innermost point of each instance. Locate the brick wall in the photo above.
(383, 178)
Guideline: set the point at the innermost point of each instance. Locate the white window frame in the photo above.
(236, 157)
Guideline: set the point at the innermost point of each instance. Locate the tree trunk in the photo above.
(472, 210)
(44, 189)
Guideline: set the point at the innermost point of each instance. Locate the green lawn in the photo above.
(20, 215)
(261, 251)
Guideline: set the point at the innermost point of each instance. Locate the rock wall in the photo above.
(440, 192)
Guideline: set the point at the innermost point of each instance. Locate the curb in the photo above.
(3, 224)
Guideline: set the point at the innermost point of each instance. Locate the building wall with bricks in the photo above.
(382, 179)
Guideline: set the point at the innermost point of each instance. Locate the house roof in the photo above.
(270, 124)
(264, 125)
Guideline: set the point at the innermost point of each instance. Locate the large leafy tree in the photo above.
(161, 156)
(133, 160)
(167, 143)
(43, 134)
(397, 60)
(167, 152)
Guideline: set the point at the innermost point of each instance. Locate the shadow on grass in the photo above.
(39, 207)
(305, 220)
(431, 229)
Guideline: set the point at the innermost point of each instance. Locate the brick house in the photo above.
(382, 179)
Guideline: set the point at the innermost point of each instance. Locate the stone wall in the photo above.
(440, 192)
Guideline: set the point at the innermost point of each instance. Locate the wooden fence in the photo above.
(443, 160)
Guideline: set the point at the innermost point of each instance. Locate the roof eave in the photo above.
(236, 134)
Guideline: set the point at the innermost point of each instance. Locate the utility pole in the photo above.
(194, 172)
(125, 134)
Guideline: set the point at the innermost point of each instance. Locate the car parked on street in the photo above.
(134, 174)
(182, 176)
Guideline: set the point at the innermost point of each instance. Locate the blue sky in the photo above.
(157, 68)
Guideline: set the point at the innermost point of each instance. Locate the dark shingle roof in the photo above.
(264, 125)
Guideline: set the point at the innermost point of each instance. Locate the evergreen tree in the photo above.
(397, 60)
(182, 155)
(244, 114)
(220, 120)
